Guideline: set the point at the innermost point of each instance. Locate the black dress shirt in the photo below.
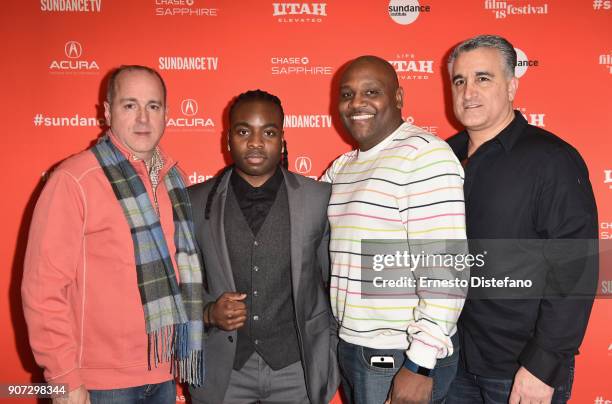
(255, 202)
(526, 183)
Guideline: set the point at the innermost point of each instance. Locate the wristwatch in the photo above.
(413, 367)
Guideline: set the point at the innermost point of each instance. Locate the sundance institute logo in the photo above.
(523, 62)
(406, 12)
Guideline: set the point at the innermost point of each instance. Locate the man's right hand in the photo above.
(78, 396)
(229, 311)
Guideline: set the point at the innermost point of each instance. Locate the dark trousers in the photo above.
(468, 388)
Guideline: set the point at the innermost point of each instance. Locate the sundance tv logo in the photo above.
(71, 6)
(203, 63)
(406, 12)
(183, 8)
(307, 121)
(305, 12)
(408, 67)
(71, 62)
(190, 121)
(298, 65)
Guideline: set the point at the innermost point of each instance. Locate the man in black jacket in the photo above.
(522, 183)
(264, 237)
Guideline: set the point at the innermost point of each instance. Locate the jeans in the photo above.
(366, 384)
(468, 388)
(160, 393)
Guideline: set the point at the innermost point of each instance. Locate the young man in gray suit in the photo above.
(264, 235)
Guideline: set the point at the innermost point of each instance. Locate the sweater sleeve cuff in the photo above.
(72, 379)
(421, 354)
(547, 366)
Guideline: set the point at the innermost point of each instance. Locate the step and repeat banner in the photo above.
(57, 53)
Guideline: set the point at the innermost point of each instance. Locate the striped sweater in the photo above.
(410, 186)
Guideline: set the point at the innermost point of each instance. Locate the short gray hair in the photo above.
(504, 47)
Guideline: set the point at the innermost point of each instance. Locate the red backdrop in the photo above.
(56, 54)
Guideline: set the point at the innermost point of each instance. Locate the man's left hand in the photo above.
(410, 388)
(528, 389)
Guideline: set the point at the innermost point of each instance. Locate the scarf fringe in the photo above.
(170, 343)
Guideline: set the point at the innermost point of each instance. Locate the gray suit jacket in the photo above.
(316, 325)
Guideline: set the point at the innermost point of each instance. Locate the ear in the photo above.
(282, 141)
(399, 97)
(512, 87)
(107, 113)
(165, 113)
(228, 142)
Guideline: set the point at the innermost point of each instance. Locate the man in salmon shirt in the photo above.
(112, 281)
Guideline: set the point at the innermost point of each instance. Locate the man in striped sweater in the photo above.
(402, 184)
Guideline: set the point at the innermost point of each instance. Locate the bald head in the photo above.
(375, 63)
(371, 100)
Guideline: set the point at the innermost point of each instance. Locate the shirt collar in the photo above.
(507, 137)
(381, 145)
(166, 160)
(511, 133)
(270, 187)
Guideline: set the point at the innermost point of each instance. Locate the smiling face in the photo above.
(483, 91)
(137, 113)
(255, 140)
(370, 103)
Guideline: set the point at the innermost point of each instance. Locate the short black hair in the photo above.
(256, 95)
(111, 86)
(261, 95)
(251, 95)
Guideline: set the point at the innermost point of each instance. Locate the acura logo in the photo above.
(73, 49)
(303, 164)
(189, 107)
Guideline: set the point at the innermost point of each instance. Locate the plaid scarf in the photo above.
(173, 314)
